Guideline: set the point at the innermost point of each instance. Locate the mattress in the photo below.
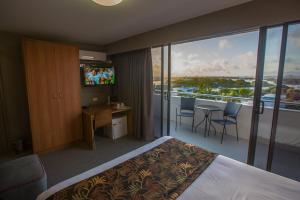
(225, 178)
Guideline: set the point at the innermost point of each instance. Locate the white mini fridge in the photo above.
(119, 127)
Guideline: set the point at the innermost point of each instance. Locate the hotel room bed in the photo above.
(223, 179)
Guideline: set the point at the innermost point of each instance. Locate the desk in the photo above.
(207, 109)
(100, 116)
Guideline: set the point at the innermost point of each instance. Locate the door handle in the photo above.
(60, 94)
(166, 96)
(262, 109)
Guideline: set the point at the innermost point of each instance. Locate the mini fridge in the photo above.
(119, 127)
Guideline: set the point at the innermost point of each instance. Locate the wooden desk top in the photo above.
(121, 109)
(92, 110)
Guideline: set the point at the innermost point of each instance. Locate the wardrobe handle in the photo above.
(60, 94)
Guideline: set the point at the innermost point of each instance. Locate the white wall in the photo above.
(288, 130)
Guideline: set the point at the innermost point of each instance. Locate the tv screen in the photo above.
(97, 74)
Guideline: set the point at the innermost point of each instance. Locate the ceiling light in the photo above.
(107, 2)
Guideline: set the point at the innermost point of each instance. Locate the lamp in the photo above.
(107, 2)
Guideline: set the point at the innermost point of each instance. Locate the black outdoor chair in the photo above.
(229, 118)
(186, 109)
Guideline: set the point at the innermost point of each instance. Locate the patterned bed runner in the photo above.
(163, 172)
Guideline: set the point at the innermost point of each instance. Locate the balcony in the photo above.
(287, 149)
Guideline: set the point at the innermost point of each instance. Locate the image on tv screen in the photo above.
(95, 75)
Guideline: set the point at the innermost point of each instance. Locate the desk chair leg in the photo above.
(237, 132)
(224, 130)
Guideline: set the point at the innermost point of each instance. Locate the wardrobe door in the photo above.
(42, 92)
(67, 62)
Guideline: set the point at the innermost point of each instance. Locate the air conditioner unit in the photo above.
(92, 55)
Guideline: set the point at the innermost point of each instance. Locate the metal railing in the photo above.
(288, 105)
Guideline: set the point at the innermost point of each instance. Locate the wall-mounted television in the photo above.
(95, 74)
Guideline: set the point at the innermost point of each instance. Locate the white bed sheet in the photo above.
(224, 179)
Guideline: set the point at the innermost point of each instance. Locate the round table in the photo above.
(208, 110)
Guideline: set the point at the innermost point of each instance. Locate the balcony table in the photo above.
(208, 110)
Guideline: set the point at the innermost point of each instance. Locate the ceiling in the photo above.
(83, 21)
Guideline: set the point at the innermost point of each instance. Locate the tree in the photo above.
(244, 92)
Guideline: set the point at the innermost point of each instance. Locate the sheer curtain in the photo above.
(134, 88)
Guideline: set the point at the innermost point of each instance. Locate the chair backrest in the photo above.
(187, 103)
(232, 109)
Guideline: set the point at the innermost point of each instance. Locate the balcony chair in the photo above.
(230, 114)
(186, 109)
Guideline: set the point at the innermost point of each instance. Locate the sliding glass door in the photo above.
(166, 90)
(207, 72)
(161, 90)
(217, 70)
(265, 92)
(275, 131)
(157, 91)
(284, 158)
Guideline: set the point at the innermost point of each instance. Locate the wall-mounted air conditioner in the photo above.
(92, 55)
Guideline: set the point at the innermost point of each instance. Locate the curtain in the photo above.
(134, 88)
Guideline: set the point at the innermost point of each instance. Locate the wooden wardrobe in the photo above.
(53, 87)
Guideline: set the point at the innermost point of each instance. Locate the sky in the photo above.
(292, 63)
(234, 55)
(292, 59)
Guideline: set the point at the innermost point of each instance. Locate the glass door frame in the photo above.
(162, 92)
(257, 95)
(168, 92)
(278, 96)
(169, 89)
(257, 107)
(258, 89)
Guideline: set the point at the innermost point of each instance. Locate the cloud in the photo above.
(193, 56)
(247, 60)
(224, 43)
(243, 64)
(295, 36)
(292, 64)
(156, 56)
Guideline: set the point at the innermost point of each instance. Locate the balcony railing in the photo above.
(269, 103)
(287, 129)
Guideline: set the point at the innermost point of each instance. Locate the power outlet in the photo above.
(95, 99)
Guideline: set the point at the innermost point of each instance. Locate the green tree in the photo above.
(244, 92)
